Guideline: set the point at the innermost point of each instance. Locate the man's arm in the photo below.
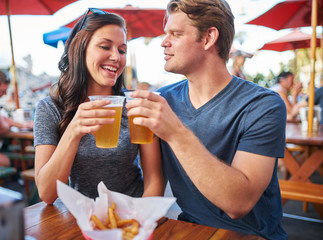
(4, 125)
(236, 188)
(13, 123)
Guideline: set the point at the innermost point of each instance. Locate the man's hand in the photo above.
(158, 115)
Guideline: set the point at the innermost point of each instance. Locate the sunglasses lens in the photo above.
(97, 11)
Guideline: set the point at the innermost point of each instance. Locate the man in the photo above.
(4, 125)
(285, 86)
(221, 135)
(5, 122)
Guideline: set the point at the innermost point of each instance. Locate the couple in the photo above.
(220, 136)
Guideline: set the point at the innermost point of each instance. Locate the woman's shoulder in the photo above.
(46, 102)
(47, 105)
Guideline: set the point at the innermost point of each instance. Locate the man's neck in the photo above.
(207, 83)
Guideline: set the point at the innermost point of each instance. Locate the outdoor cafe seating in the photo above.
(21, 154)
(298, 185)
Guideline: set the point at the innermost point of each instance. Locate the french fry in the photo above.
(98, 223)
(133, 228)
(116, 216)
(113, 222)
(113, 206)
(123, 223)
(129, 227)
(128, 235)
(107, 221)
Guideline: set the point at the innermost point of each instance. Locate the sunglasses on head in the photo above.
(95, 11)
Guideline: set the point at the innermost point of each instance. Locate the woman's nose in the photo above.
(115, 55)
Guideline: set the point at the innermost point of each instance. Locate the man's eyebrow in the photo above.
(174, 30)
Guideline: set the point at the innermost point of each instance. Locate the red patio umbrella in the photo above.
(28, 7)
(292, 41)
(141, 22)
(291, 14)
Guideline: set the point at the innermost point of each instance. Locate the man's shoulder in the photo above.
(173, 87)
(254, 90)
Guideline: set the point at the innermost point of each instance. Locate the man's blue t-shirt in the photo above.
(245, 117)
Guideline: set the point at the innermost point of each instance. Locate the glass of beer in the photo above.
(108, 135)
(139, 134)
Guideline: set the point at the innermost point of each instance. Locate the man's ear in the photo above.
(210, 37)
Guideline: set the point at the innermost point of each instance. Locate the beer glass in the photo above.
(138, 134)
(108, 135)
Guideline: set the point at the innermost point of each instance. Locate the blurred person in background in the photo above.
(5, 122)
(290, 93)
(318, 100)
(143, 86)
(221, 136)
(239, 59)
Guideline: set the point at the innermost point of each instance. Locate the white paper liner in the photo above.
(147, 211)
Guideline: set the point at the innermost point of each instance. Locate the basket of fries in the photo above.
(113, 215)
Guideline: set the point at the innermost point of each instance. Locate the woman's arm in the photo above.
(55, 162)
(150, 156)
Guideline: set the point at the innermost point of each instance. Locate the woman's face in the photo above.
(105, 58)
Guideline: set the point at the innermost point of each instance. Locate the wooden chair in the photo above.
(29, 176)
(300, 153)
(301, 191)
(24, 156)
(6, 172)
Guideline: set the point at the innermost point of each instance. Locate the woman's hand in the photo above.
(89, 117)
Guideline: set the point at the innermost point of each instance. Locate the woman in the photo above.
(93, 64)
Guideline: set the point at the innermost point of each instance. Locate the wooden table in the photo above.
(55, 222)
(313, 143)
(25, 135)
(302, 170)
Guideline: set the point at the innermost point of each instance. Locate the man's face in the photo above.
(183, 51)
(3, 89)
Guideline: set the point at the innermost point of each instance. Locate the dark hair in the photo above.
(209, 13)
(71, 89)
(4, 78)
(283, 75)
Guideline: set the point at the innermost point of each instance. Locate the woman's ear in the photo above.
(211, 36)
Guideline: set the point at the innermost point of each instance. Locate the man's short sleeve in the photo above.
(264, 128)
